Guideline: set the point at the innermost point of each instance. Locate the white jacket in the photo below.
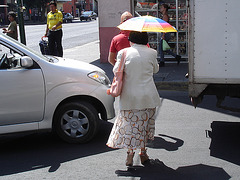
(139, 90)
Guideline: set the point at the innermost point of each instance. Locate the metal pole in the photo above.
(21, 21)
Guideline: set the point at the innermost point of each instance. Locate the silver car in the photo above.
(67, 17)
(48, 93)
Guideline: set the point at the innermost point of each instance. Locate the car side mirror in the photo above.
(26, 62)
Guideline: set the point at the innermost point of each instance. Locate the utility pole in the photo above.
(21, 21)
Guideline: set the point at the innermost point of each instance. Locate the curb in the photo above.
(174, 86)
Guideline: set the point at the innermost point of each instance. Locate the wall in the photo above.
(60, 6)
(68, 7)
(109, 17)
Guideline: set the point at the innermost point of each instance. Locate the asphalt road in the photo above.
(180, 151)
(74, 34)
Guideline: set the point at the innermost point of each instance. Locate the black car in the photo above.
(88, 16)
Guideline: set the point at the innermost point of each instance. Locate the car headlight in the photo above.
(100, 77)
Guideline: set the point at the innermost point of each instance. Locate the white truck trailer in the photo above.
(214, 49)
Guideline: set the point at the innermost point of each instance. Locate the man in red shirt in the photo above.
(119, 41)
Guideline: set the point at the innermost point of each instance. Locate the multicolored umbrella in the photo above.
(147, 24)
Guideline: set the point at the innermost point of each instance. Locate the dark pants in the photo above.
(160, 50)
(55, 43)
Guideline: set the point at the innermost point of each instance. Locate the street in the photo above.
(74, 34)
(182, 149)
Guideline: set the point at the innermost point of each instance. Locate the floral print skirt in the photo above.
(132, 129)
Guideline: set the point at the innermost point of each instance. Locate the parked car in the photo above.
(67, 17)
(51, 93)
(88, 16)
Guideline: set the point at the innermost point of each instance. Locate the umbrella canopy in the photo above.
(147, 24)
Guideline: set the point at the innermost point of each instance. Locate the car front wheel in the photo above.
(76, 122)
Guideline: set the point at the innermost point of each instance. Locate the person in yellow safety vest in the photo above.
(54, 30)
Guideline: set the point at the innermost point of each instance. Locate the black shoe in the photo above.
(161, 63)
(178, 58)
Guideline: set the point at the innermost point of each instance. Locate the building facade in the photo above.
(75, 7)
(11, 6)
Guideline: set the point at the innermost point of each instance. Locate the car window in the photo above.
(86, 13)
(9, 58)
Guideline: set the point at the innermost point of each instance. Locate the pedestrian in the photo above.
(165, 36)
(119, 41)
(54, 30)
(12, 27)
(135, 123)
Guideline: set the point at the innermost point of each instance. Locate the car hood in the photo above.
(78, 65)
(62, 71)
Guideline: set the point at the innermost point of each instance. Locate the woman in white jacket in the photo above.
(135, 123)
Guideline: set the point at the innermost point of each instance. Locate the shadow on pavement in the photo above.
(155, 170)
(225, 142)
(209, 102)
(29, 152)
(165, 142)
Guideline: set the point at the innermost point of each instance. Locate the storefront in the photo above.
(109, 17)
(178, 18)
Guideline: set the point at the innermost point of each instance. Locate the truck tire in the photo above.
(76, 122)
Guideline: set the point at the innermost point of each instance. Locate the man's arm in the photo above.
(9, 30)
(112, 58)
(55, 26)
(46, 30)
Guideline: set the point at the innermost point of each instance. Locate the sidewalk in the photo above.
(169, 77)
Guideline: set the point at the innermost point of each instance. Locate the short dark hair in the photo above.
(53, 3)
(138, 37)
(165, 6)
(13, 14)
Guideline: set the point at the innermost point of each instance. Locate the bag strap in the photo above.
(123, 59)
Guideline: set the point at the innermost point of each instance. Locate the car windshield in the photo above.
(87, 13)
